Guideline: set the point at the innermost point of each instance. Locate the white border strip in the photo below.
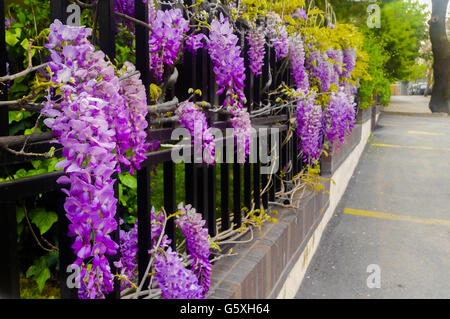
(341, 176)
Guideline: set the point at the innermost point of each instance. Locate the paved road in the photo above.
(395, 214)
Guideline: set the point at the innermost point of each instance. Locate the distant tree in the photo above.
(402, 30)
(440, 96)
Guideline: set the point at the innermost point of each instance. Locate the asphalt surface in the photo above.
(395, 214)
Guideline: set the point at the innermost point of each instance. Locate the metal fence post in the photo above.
(9, 275)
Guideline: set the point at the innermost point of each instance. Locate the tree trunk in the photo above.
(429, 76)
(440, 96)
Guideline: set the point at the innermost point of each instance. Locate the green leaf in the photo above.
(21, 173)
(128, 180)
(43, 219)
(40, 272)
(25, 43)
(11, 38)
(32, 130)
(36, 164)
(20, 214)
(18, 87)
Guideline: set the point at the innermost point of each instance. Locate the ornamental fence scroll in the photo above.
(201, 189)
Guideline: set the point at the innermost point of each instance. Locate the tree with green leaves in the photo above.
(440, 96)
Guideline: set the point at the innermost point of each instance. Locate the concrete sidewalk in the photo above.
(394, 217)
(408, 104)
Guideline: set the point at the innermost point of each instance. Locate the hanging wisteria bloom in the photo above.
(174, 279)
(230, 75)
(194, 120)
(300, 14)
(93, 124)
(128, 253)
(297, 59)
(280, 41)
(321, 68)
(194, 42)
(256, 41)
(349, 60)
(309, 128)
(168, 29)
(242, 127)
(339, 117)
(197, 244)
(133, 92)
(337, 61)
(228, 63)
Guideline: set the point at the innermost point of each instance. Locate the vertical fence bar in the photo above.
(224, 191)
(190, 80)
(212, 225)
(107, 42)
(257, 166)
(58, 10)
(295, 165)
(263, 100)
(143, 175)
(66, 255)
(190, 175)
(107, 28)
(202, 171)
(9, 275)
(144, 221)
(248, 90)
(4, 117)
(257, 179)
(237, 220)
(169, 199)
(210, 95)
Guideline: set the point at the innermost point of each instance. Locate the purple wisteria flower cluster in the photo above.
(98, 131)
(172, 274)
(297, 59)
(174, 279)
(321, 69)
(128, 252)
(228, 64)
(194, 42)
(166, 38)
(256, 41)
(349, 60)
(229, 68)
(242, 127)
(280, 40)
(309, 127)
(194, 120)
(192, 227)
(300, 14)
(339, 117)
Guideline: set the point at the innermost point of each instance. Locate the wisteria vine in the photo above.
(98, 113)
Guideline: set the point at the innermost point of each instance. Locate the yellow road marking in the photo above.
(424, 133)
(427, 148)
(388, 124)
(368, 213)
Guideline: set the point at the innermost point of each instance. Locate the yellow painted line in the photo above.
(389, 125)
(426, 148)
(419, 220)
(424, 133)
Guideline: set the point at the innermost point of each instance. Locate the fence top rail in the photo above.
(44, 183)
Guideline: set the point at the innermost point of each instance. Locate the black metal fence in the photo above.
(200, 179)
